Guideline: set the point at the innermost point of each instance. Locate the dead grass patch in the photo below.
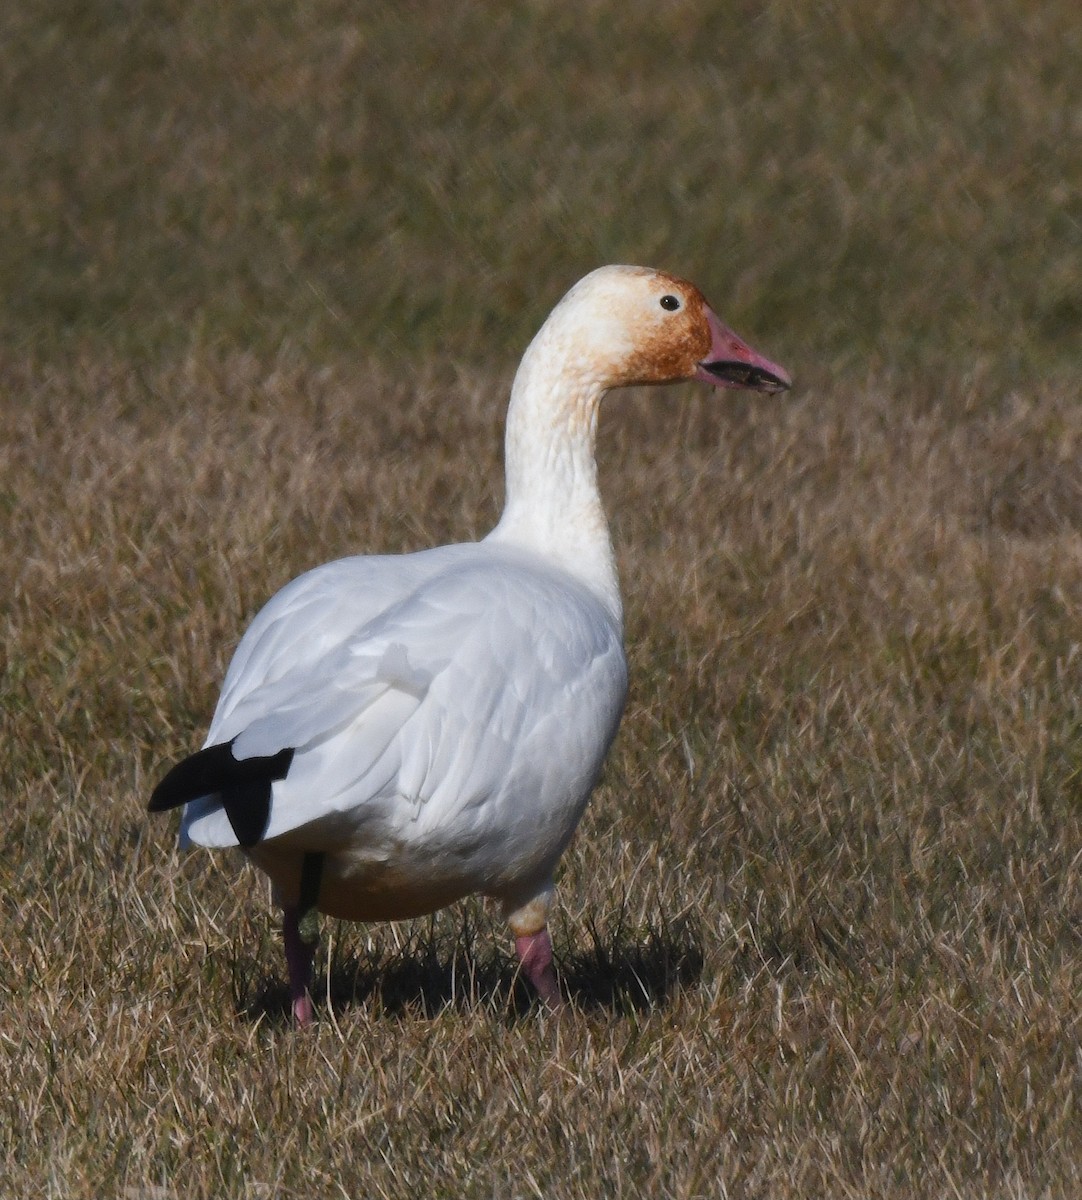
(822, 924)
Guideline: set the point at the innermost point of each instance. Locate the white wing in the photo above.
(492, 674)
(317, 613)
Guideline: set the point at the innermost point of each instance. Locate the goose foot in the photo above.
(299, 955)
(535, 954)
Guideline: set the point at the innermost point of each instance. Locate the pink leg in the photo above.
(299, 955)
(535, 953)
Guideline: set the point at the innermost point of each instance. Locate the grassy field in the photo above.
(265, 274)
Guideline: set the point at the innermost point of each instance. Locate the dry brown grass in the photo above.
(822, 927)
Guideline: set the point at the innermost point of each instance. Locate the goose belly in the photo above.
(398, 858)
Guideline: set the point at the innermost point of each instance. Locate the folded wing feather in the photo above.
(429, 702)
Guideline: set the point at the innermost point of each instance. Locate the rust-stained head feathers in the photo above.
(639, 326)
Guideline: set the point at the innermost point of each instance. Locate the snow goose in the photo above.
(397, 732)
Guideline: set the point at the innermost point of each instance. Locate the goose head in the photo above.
(618, 327)
(633, 325)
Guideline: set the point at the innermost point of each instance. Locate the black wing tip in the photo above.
(248, 807)
(244, 786)
(160, 801)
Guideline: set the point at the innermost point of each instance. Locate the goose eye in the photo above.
(670, 302)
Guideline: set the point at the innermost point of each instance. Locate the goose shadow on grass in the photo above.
(621, 972)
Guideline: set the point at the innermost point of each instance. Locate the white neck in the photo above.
(553, 506)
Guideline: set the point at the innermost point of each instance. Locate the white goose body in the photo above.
(448, 729)
(421, 727)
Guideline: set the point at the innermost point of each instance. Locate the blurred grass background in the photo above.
(265, 273)
(875, 184)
